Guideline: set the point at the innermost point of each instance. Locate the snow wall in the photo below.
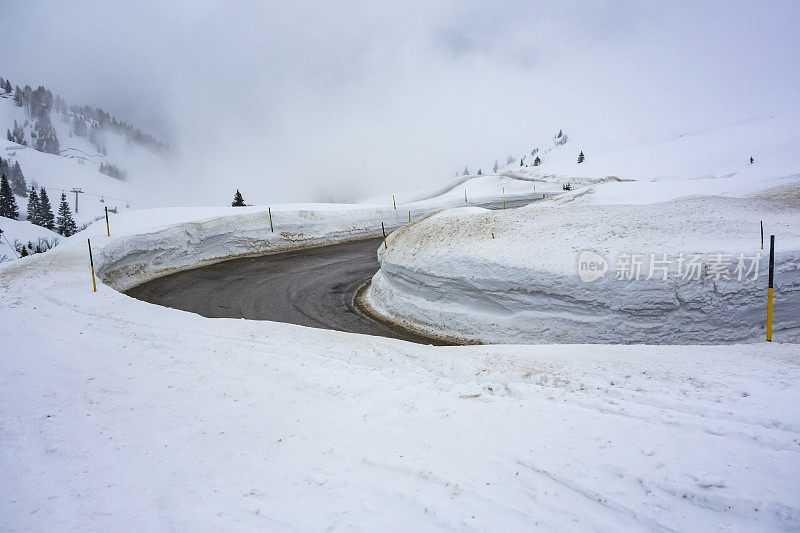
(511, 277)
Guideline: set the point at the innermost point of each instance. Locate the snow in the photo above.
(512, 276)
(22, 231)
(131, 416)
(123, 415)
(78, 166)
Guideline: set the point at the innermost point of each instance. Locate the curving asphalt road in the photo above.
(310, 287)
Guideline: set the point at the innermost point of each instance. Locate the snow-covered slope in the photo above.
(513, 276)
(719, 151)
(127, 415)
(19, 232)
(78, 163)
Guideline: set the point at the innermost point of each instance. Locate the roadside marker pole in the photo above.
(108, 228)
(384, 237)
(409, 216)
(269, 210)
(504, 205)
(492, 235)
(394, 202)
(762, 234)
(465, 195)
(91, 263)
(769, 290)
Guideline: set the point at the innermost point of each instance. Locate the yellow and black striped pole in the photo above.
(384, 237)
(108, 228)
(394, 202)
(769, 290)
(91, 263)
(409, 216)
(465, 195)
(762, 234)
(269, 210)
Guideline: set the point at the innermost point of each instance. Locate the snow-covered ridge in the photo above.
(512, 276)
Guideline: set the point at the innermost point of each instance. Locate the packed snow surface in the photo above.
(116, 414)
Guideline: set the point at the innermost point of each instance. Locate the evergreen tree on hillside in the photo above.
(8, 86)
(480, 172)
(65, 224)
(238, 201)
(495, 167)
(34, 208)
(581, 158)
(17, 180)
(18, 135)
(46, 210)
(537, 161)
(466, 172)
(8, 204)
(46, 139)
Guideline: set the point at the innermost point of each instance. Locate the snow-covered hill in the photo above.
(110, 161)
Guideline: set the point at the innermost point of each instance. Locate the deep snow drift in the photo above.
(125, 415)
(512, 276)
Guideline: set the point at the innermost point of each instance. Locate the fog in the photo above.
(338, 101)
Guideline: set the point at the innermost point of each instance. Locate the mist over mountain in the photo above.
(348, 100)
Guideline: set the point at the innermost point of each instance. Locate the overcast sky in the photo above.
(332, 100)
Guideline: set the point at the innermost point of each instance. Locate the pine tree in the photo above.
(65, 224)
(520, 162)
(8, 204)
(8, 86)
(238, 201)
(581, 157)
(466, 172)
(537, 161)
(34, 208)
(495, 167)
(480, 172)
(46, 210)
(17, 180)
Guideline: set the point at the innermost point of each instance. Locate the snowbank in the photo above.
(136, 258)
(512, 276)
(125, 415)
